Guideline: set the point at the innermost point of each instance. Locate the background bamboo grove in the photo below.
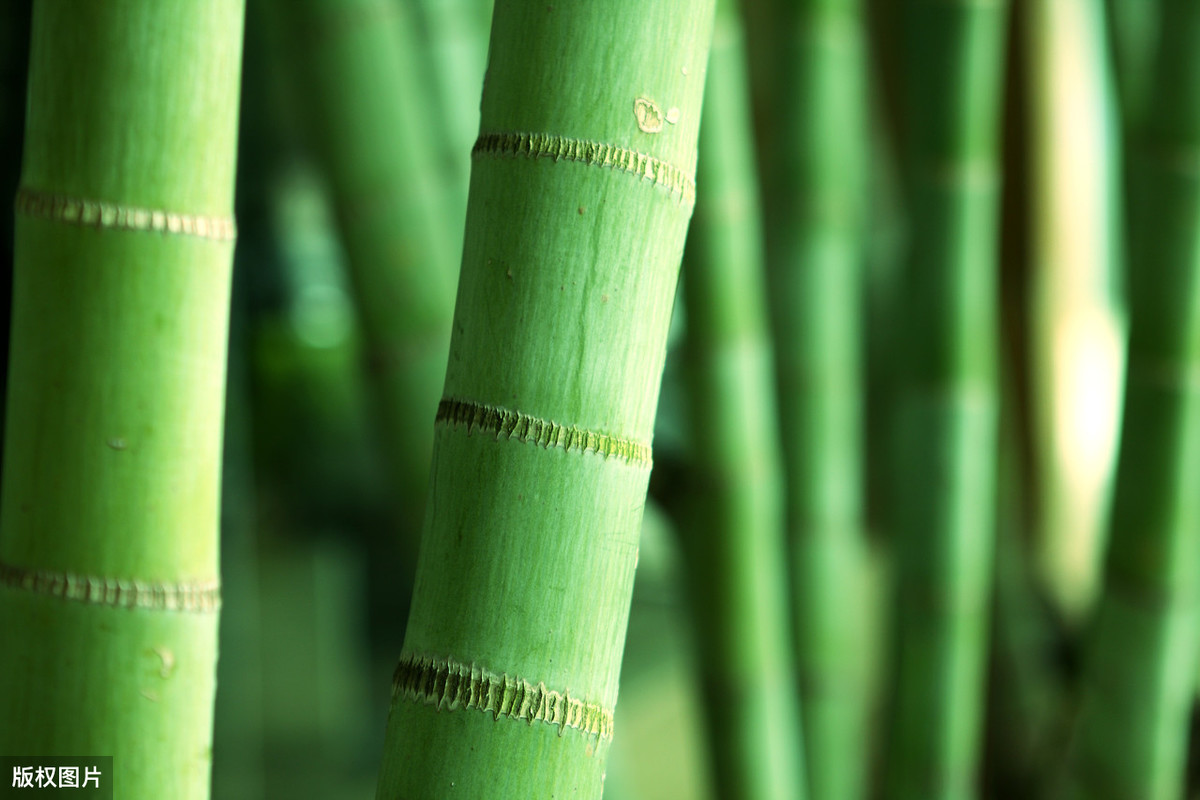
(663, 399)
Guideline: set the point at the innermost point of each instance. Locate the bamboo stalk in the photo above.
(581, 190)
(1140, 673)
(1076, 330)
(454, 47)
(811, 102)
(947, 409)
(1133, 34)
(735, 545)
(371, 132)
(108, 520)
(1024, 703)
(238, 742)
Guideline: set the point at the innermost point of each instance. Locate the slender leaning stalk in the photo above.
(108, 520)
(373, 137)
(812, 95)
(735, 548)
(1140, 673)
(581, 190)
(947, 411)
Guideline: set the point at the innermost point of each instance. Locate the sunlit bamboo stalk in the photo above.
(581, 190)
(109, 514)
(1140, 673)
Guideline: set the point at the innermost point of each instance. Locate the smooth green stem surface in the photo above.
(812, 95)
(1141, 668)
(1133, 34)
(947, 409)
(109, 512)
(454, 47)
(734, 542)
(581, 191)
(1074, 219)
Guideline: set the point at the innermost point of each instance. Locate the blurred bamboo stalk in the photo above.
(811, 92)
(238, 733)
(454, 49)
(364, 94)
(358, 76)
(581, 190)
(1140, 673)
(952, 57)
(735, 544)
(109, 515)
(1077, 328)
(1133, 31)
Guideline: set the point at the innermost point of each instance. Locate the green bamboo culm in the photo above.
(734, 541)
(454, 50)
(947, 415)
(1133, 29)
(1074, 220)
(581, 191)
(108, 519)
(811, 90)
(1139, 678)
(372, 133)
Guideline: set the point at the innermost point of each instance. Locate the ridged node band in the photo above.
(103, 215)
(200, 597)
(595, 154)
(509, 424)
(452, 685)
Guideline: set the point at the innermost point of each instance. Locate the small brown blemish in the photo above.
(581, 210)
(649, 116)
(603, 298)
(117, 443)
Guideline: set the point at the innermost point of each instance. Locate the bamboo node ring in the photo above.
(104, 215)
(451, 685)
(594, 154)
(509, 424)
(195, 597)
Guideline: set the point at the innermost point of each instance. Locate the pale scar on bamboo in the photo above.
(451, 685)
(650, 117)
(198, 597)
(168, 661)
(103, 215)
